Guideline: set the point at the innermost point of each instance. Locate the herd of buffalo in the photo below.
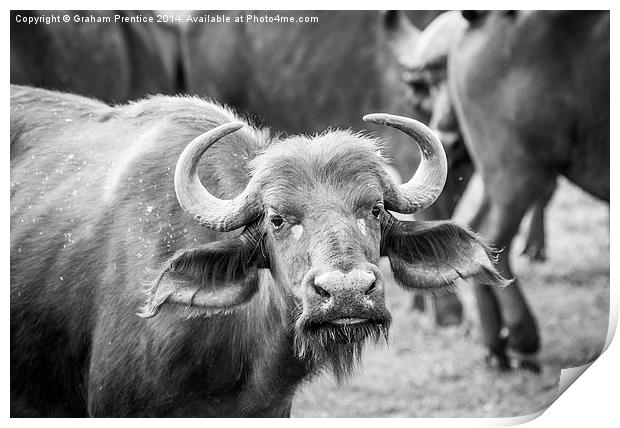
(198, 211)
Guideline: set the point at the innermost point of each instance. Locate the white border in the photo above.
(594, 397)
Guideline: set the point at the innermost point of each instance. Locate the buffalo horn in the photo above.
(210, 211)
(428, 181)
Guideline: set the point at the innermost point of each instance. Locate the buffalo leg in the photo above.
(505, 317)
(534, 247)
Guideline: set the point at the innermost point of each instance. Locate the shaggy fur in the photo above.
(337, 347)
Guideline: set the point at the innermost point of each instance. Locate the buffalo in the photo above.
(530, 94)
(113, 61)
(426, 65)
(425, 59)
(170, 259)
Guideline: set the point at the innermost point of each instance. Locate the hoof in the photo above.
(497, 362)
(530, 366)
(524, 361)
(535, 253)
(506, 358)
(506, 364)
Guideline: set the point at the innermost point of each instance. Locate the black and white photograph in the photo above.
(306, 213)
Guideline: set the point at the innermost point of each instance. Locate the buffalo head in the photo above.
(315, 214)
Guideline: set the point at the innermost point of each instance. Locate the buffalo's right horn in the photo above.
(428, 181)
(210, 211)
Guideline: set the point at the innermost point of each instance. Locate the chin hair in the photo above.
(337, 348)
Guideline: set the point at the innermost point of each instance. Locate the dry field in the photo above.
(425, 373)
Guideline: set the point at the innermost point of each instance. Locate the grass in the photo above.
(426, 373)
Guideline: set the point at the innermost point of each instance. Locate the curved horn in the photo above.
(217, 214)
(428, 181)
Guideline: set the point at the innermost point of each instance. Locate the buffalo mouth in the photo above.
(348, 321)
(345, 331)
(337, 343)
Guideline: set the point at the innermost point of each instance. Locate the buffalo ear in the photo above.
(432, 254)
(215, 277)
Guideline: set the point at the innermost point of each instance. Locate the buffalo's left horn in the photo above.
(210, 211)
(428, 181)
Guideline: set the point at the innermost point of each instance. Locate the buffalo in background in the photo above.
(426, 65)
(529, 94)
(113, 62)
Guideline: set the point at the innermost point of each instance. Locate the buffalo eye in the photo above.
(376, 210)
(277, 221)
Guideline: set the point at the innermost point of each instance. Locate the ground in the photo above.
(425, 373)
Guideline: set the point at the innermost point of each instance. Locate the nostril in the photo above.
(321, 291)
(372, 288)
